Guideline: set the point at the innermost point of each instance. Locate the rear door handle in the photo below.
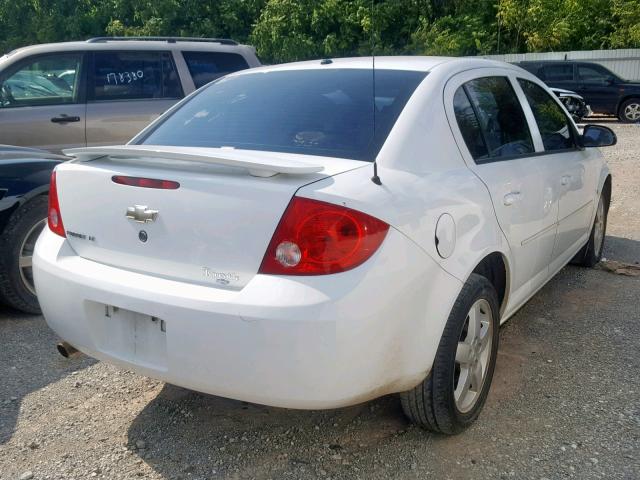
(565, 180)
(65, 119)
(511, 198)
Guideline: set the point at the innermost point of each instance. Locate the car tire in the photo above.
(630, 111)
(440, 403)
(16, 243)
(591, 254)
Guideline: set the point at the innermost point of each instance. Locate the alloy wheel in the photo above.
(632, 112)
(598, 228)
(473, 356)
(25, 255)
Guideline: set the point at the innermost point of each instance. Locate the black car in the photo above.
(603, 90)
(24, 188)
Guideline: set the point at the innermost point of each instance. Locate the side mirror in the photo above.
(610, 80)
(598, 136)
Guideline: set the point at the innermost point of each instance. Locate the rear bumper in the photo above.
(297, 342)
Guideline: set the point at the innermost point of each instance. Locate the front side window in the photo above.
(553, 124)
(205, 67)
(558, 73)
(130, 75)
(45, 80)
(328, 112)
(502, 121)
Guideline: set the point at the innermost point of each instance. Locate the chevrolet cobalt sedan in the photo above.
(318, 234)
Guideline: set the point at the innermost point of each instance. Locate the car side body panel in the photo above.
(414, 203)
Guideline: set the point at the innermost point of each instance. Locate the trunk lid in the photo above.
(212, 230)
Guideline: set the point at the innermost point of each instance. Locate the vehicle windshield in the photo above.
(314, 112)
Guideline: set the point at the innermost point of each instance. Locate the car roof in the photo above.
(105, 43)
(407, 62)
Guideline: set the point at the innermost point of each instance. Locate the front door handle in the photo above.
(565, 180)
(511, 198)
(65, 119)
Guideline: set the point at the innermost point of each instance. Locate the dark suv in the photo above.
(602, 89)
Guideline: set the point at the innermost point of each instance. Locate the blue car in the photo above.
(24, 188)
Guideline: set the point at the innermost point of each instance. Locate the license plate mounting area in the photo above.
(130, 336)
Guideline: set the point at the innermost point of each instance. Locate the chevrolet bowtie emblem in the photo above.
(141, 214)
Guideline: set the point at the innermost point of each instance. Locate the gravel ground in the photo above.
(565, 401)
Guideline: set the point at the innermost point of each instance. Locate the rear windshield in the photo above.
(314, 112)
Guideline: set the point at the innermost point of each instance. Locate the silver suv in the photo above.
(103, 91)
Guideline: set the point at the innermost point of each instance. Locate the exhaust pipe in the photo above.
(67, 350)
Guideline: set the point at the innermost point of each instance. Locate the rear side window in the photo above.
(591, 74)
(328, 112)
(469, 125)
(130, 75)
(557, 73)
(552, 122)
(207, 66)
(502, 122)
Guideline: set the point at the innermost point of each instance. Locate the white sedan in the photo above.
(319, 234)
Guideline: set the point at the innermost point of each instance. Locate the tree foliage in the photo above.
(284, 30)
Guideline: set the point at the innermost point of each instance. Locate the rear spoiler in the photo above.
(258, 166)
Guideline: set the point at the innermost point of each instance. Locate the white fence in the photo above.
(624, 62)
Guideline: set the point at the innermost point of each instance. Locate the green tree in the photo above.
(221, 18)
(454, 35)
(286, 30)
(290, 30)
(626, 31)
(547, 25)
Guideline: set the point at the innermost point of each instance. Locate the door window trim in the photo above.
(82, 75)
(91, 70)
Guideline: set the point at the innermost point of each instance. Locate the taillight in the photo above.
(54, 217)
(317, 238)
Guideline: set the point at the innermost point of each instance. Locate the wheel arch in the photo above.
(18, 202)
(606, 189)
(495, 268)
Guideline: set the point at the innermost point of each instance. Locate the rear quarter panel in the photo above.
(412, 203)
